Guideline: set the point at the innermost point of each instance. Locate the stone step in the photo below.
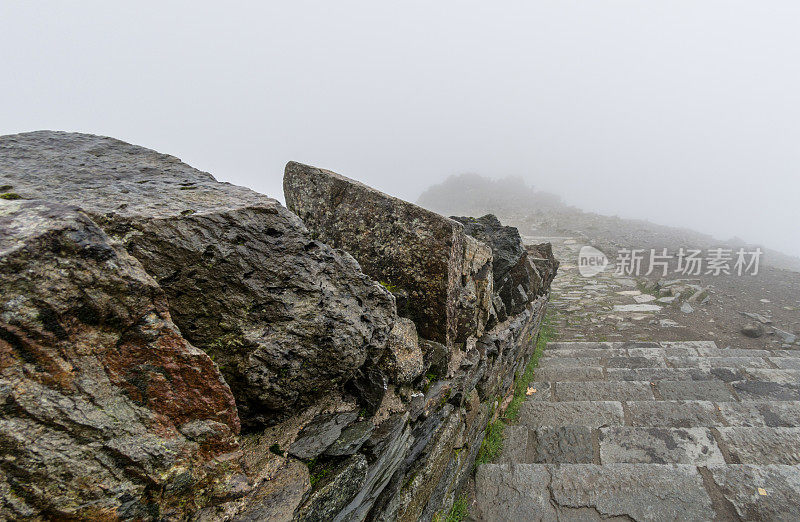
(598, 373)
(792, 356)
(701, 446)
(663, 413)
(658, 360)
(512, 492)
(697, 445)
(578, 413)
(559, 345)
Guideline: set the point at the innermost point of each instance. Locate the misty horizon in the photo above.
(682, 114)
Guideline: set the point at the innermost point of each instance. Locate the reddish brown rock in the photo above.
(107, 412)
(285, 317)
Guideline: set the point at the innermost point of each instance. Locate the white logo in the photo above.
(591, 261)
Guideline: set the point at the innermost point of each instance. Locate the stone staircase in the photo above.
(651, 431)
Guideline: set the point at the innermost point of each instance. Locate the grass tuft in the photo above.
(492, 442)
(546, 334)
(457, 513)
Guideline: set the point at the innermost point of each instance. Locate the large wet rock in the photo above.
(422, 257)
(516, 280)
(541, 255)
(505, 242)
(284, 316)
(107, 411)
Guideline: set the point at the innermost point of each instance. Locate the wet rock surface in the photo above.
(112, 411)
(107, 411)
(284, 316)
(516, 278)
(417, 254)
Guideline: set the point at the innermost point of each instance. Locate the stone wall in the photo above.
(147, 311)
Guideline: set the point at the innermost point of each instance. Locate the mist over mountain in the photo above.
(474, 194)
(545, 212)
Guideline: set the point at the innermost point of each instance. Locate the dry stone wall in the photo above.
(206, 355)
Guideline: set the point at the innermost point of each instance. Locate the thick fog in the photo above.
(683, 112)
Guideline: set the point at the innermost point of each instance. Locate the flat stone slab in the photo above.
(591, 492)
(637, 308)
(589, 373)
(681, 414)
(760, 492)
(586, 352)
(636, 362)
(694, 344)
(732, 352)
(513, 492)
(766, 391)
(583, 413)
(673, 351)
(665, 374)
(770, 375)
(659, 446)
(570, 362)
(761, 445)
(776, 414)
(583, 344)
(539, 391)
(694, 391)
(603, 391)
(787, 363)
(717, 362)
(644, 298)
(562, 444)
(515, 444)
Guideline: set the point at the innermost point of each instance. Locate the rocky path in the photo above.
(647, 430)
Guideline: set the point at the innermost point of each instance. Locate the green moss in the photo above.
(546, 333)
(318, 470)
(226, 343)
(10, 195)
(458, 512)
(276, 449)
(492, 443)
(390, 287)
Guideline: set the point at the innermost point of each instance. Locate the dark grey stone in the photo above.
(285, 317)
(560, 445)
(694, 446)
(335, 490)
(694, 391)
(351, 439)
(761, 445)
(780, 484)
(320, 433)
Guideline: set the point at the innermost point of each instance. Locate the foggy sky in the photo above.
(686, 113)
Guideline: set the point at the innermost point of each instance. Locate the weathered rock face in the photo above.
(474, 303)
(545, 262)
(353, 413)
(107, 412)
(284, 316)
(416, 253)
(403, 359)
(505, 242)
(516, 280)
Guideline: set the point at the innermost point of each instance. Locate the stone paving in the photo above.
(649, 430)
